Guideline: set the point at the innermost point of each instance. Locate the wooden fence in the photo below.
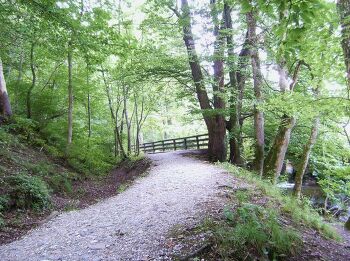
(185, 143)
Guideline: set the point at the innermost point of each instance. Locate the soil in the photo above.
(84, 193)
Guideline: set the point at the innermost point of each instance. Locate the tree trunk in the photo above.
(215, 123)
(305, 159)
(257, 78)
(274, 159)
(29, 92)
(237, 82)
(19, 80)
(88, 101)
(70, 95)
(5, 106)
(344, 13)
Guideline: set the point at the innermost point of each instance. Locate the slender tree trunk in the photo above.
(119, 133)
(30, 90)
(19, 80)
(5, 106)
(88, 101)
(305, 159)
(127, 120)
(215, 123)
(70, 95)
(257, 78)
(344, 13)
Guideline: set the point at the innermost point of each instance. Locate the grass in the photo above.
(300, 211)
(252, 231)
(261, 223)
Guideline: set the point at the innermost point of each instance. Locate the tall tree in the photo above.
(70, 93)
(258, 85)
(5, 106)
(213, 117)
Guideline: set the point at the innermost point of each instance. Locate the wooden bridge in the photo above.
(185, 143)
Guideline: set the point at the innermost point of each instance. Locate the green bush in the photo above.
(62, 182)
(253, 231)
(28, 192)
(300, 211)
(4, 200)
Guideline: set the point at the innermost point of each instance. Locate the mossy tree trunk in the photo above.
(274, 159)
(305, 159)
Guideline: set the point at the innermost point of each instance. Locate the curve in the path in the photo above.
(131, 225)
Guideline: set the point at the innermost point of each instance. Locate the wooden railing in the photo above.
(185, 143)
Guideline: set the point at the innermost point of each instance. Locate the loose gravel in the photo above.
(132, 225)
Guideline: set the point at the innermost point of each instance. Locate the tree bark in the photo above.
(215, 123)
(237, 83)
(70, 95)
(88, 101)
(344, 13)
(5, 106)
(257, 78)
(274, 159)
(305, 159)
(30, 90)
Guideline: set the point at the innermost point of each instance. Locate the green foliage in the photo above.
(28, 192)
(252, 231)
(4, 201)
(62, 182)
(299, 211)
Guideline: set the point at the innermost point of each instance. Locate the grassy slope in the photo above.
(260, 222)
(33, 184)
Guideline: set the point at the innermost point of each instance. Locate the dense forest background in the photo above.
(89, 81)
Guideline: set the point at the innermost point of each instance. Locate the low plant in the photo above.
(61, 182)
(300, 211)
(252, 231)
(28, 192)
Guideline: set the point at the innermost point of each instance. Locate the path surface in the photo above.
(131, 225)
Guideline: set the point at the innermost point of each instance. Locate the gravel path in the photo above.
(131, 225)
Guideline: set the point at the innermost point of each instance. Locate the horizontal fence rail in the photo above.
(185, 143)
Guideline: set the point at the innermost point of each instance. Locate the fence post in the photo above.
(174, 144)
(154, 149)
(144, 147)
(197, 140)
(185, 143)
(163, 145)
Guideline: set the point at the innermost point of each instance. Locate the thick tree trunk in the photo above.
(274, 159)
(5, 106)
(305, 159)
(30, 90)
(257, 77)
(70, 95)
(344, 13)
(215, 123)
